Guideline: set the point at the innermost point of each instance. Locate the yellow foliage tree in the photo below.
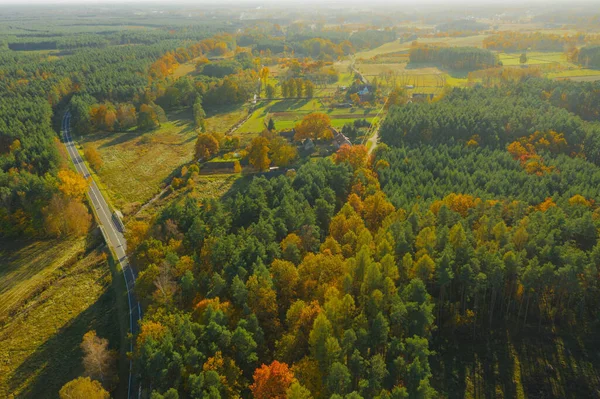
(83, 388)
(517, 150)
(136, 233)
(150, 330)
(282, 153)
(426, 239)
(423, 268)
(579, 200)
(310, 375)
(376, 208)
(72, 184)
(237, 168)
(258, 153)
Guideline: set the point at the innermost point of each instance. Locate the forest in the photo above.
(338, 202)
(462, 26)
(463, 58)
(589, 56)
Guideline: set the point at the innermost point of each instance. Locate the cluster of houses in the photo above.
(308, 145)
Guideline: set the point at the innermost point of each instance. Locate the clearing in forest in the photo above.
(137, 165)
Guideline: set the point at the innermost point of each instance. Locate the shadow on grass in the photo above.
(503, 363)
(222, 109)
(288, 105)
(58, 360)
(124, 137)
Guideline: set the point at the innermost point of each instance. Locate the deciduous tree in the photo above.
(258, 153)
(314, 126)
(93, 157)
(282, 153)
(99, 362)
(83, 388)
(272, 381)
(207, 146)
(66, 216)
(72, 184)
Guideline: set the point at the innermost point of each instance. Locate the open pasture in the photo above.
(137, 164)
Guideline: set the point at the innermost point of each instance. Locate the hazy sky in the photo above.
(281, 2)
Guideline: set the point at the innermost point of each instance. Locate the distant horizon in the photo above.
(412, 3)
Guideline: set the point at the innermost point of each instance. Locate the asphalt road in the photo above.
(115, 240)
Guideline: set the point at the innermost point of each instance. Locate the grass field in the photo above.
(138, 165)
(577, 75)
(185, 69)
(396, 46)
(214, 186)
(62, 293)
(287, 113)
(536, 58)
(25, 269)
(377, 69)
(391, 47)
(583, 78)
(467, 41)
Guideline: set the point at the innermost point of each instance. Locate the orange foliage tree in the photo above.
(272, 381)
(313, 126)
(207, 146)
(66, 216)
(547, 204)
(356, 155)
(93, 157)
(103, 116)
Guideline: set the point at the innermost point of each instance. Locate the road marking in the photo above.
(123, 261)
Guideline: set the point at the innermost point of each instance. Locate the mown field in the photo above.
(536, 58)
(554, 65)
(287, 113)
(397, 46)
(52, 293)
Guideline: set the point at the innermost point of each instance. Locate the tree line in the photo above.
(469, 58)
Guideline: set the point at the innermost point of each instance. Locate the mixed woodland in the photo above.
(339, 277)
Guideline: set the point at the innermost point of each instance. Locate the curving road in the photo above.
(114, 238)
